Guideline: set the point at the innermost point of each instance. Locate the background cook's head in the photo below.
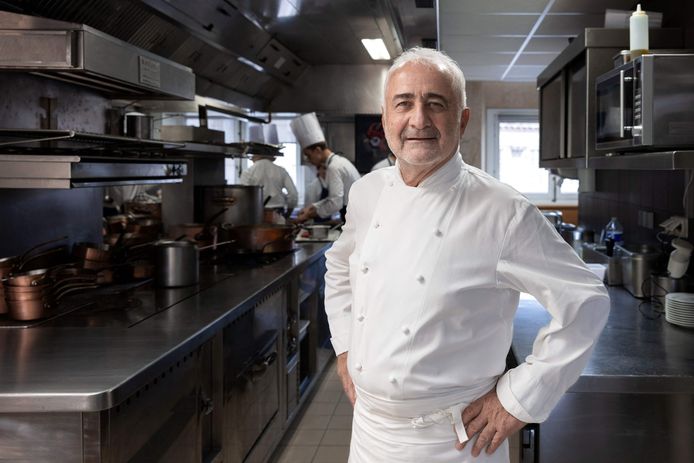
(316, 154)
(424, 108)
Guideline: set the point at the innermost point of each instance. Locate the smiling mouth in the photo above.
(420, 139)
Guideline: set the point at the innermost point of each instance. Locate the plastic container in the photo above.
(614, 231)
(638, 32)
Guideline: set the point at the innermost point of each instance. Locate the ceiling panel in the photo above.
(481, 43)
(591, 6)
(535, 59)
(569, 24)
(476, 59)
(547, 44)
(492, 6)
(480, 24)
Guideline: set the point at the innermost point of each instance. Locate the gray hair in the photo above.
(435, 59)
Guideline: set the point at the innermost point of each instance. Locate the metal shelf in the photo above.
(569, 163)
(49, 141)
(662, 160)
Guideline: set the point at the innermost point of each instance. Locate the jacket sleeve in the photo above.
(336, 191)
(338, 288)
(536, 260)
(292, 194)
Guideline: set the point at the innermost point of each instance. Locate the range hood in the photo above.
(80, 54)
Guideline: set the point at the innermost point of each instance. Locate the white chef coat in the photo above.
(383, 163)
(340, 174)
(273, 178)
(423, 284)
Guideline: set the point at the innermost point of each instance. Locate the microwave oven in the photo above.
(646, 104)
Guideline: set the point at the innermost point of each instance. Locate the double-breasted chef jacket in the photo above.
(423, 284)
(340, 175)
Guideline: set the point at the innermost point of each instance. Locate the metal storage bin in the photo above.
(638, 261)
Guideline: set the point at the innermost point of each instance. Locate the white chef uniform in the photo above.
(273, 178)
(422, 287)
(340, 175)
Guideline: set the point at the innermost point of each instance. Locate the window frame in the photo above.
(490, 158)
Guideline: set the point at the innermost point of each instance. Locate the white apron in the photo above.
(386, 432)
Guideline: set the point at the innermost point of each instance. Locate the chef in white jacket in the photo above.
(340, 172)
(424, 281)
(276, 183)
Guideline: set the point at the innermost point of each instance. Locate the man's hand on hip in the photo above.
(488, 418)
(346, 379)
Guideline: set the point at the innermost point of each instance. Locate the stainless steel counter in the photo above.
(634, 354)
(83, 362)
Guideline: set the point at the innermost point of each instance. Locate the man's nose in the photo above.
(420, 117)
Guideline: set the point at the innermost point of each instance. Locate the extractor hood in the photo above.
(80, 54)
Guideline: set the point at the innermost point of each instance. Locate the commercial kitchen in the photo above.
(177, 320)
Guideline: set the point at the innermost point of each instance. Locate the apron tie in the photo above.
(452, 415)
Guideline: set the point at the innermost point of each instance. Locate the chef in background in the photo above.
(424, 282)
(389, 161)
(277, 184)
(340, 173)
(275, 181)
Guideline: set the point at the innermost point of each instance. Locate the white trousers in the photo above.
(382, 435)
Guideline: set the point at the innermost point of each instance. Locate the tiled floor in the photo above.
(322, 434)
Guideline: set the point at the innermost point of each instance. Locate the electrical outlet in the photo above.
(676, 226)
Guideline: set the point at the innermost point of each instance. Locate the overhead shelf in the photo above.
(54, 171)
(662, 160)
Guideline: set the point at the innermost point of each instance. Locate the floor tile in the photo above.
(340, 422)
(306, 437)
(344, 408)
(314, 422)
(321, 408)
(338, 437)
(331, 454)
(326, 396)
(297, 454)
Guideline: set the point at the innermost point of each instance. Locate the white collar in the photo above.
(445, 175)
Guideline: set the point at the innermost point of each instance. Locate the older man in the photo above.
(423, 284)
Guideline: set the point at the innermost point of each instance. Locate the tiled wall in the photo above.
(622, 194)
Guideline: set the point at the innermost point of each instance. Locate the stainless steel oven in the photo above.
(647, 104)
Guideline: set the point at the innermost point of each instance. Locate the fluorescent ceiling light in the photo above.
(250, 63)
(376, 48)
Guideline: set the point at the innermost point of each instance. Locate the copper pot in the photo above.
(92, 251)
(30, 278)
(262, 239)
(34, 309)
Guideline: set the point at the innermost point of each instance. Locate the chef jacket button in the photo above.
(405, 330)
(360, 318)
(358, 366)
(392, 379)
(376, 225)
(438, 232)
(364, 268)
(421, 279)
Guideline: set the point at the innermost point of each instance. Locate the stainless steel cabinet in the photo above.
(567, 92)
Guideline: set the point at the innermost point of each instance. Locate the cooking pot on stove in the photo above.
(242, 204)
(261, 239)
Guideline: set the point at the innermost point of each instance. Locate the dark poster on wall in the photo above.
(370, 141)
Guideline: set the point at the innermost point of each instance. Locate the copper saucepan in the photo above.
(34, 309)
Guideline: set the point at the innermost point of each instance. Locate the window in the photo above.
(513, 153)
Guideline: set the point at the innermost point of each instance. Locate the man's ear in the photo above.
(464, 119)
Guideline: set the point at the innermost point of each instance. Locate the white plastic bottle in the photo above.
(638, 32)
(614, 231)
